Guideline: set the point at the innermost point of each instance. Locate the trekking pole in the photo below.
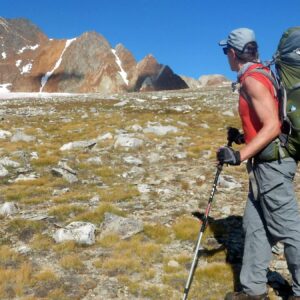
(203, 227)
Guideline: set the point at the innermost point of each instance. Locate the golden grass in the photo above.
(9, 257)
(130, 256)
(121, 192)
(65, 211)
(41, 242)
(186, 228)
(72, 262)
(25, 228)
(108, 241)
(96, 215)
(159, 233)
(14, 281)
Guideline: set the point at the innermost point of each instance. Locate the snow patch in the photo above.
(28, 48)
(4, 88)
(49, 73)
(18, 62)
(3, 55)
(26, 69)
(119, 63)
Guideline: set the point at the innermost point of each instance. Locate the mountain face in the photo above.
(31, 62)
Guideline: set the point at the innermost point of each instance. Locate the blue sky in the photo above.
(180, 33)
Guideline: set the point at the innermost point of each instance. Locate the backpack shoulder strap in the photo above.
(270, 75)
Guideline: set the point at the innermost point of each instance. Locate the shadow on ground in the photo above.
(228, 233)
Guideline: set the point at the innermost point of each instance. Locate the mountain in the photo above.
(31, 62)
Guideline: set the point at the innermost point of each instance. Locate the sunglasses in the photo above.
(225, 50)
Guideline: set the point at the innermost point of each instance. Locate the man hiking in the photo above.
(271, 214)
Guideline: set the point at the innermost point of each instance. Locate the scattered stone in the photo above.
(95, 200)
(34, 155)
(78, 145)
(204, 125)
(206, 154)
(137, 128)
(133, 160)
(66, 172)
(80, 232)
(124, 227)
(154, 158)
(161, 130)
(8, 209)
(27, 177)
(106, 136)
(60, 192)
(228, 113)
(5, 134)
(144, 188)
(180, 155)
(95, 161)
(228, 182)
(127, 141)
(3, 171)
(173, 264)
(20, 136)
(23, 248)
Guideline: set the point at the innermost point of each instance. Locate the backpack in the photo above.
(287, 67)
(286, 82)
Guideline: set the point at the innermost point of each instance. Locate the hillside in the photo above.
(134, 167)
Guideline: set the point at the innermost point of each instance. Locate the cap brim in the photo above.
(223, 43)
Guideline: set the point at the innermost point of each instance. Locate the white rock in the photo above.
(5, 134)
(124, 227)
(154, 158)
(80, 232)
(133, 160)
(228, 113)
(106, 136)
(20, 136)
(77, 145)
(60, 192)
(226, 181)
(121, 103)
(173, 264)
(9, 163)
(144, 188)
(34, 155)
(180, 155)
(95, 200)
(8, 208)
(136, 127)
(127, 141)
(161, 130)
(95, 161)
(3, 171)
(204, 125)
(28, 177)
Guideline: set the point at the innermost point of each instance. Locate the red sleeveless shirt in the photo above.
(250, 121)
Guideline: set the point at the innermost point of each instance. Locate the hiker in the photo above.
(271, 214)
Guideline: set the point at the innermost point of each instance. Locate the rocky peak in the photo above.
(18, 35)
(30, 62)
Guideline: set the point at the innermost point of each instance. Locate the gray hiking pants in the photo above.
(269, 217)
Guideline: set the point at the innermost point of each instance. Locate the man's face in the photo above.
(231, 56)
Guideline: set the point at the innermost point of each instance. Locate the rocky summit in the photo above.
(31, 62)
(97, 196)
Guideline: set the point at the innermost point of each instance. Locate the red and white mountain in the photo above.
(31, 62)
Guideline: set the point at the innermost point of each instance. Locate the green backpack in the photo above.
(287, 65)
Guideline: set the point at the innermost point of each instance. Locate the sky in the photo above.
(183, 34)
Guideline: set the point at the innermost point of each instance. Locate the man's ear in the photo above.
(231, 52)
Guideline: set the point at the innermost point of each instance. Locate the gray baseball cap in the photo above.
(238, 38)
